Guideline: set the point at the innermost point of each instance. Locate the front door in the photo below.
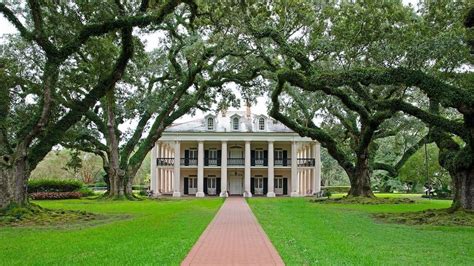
(236, 186)
(211, 185)
(192, 185)
(259, 185)
(279, 185)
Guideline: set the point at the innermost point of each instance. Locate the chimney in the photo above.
(248, 110)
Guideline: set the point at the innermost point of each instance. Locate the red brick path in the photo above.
(234, 237)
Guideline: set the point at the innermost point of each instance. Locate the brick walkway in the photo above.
(234, 237)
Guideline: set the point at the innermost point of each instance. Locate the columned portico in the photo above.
(200, 170)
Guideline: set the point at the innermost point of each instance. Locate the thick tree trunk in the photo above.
(360, 178)
(463, 190)
(13, 184)
(115, 174)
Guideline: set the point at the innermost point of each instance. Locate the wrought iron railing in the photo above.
(283, 162)
(164, 161)
(212, 161)
(236, 161)
(189, 161)
(302, 162)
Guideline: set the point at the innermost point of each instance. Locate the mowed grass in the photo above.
(156, 233)
(307, 233)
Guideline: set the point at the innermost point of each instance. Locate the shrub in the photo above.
(337, 189)
(54, 185)
(327, 193)
(55, 195)
(86, 192)
(98, 184)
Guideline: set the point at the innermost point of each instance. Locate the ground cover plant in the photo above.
(305, 233)
(159, 232)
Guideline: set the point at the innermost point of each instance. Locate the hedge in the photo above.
(337, 189)
(54, 185)
(55, 195)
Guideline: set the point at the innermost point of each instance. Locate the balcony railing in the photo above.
(212, 161)
(302, 162)
(164, 161)
(282, 162)
(189, 161)
(260, 162)
(236, 161)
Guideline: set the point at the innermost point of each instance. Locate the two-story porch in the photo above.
(222, 164)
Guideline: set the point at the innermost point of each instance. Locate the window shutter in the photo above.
(218, 186)
(265, 186)
(186, 186)
(219, 157)
(252, 185)
(285, 186)
(252, 157)
(206, 157)
(205, 186)
(186, 157)
(265, 158)
(285, 158)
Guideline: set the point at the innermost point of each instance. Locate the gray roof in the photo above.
(224, 123)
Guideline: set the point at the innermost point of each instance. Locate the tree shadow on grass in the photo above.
(38, 217)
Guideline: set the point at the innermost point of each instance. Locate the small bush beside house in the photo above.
(39, 189)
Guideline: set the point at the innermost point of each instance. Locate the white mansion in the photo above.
(234, 153)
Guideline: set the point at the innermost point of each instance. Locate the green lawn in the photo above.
(307, 233)
(158, 233)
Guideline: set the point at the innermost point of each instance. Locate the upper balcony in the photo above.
(210, 162)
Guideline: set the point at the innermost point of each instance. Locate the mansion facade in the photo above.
(234, 153)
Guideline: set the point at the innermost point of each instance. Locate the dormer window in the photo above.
(261, 123)
(235, 123)
(210, 123)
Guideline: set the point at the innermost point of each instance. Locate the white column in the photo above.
(224, 170)
(294, 171)
(154, 178)
(247, 192)
(200, 192)
(165, 180)
(271, 171)
(317, 168)
(177, 170)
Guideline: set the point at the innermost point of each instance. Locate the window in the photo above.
(193, 156)
(212, 154)
(259, 183)
(261, 123)
(278, 157)
(235, 123)
(193, 153)
(211, 182)
(192, 182)
(259, 157)
(278, 183)
(212, 157)
(210, 123)
(278, 154)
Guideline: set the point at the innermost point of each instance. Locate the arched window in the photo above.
(210, 123)
(235, 123)
(261, 123)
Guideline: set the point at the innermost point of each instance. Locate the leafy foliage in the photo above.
(54, 185)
